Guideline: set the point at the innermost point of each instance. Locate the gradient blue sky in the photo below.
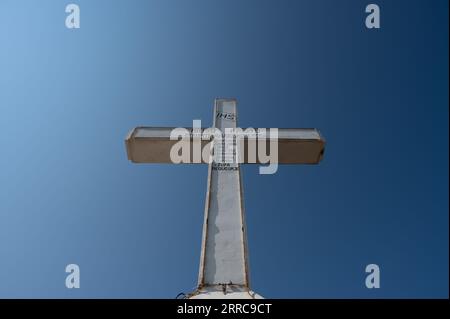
(68, 194)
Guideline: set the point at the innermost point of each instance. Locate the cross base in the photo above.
(225, 291)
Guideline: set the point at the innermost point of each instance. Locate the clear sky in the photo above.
(68, 194)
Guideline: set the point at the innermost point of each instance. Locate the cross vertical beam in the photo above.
(223, 257)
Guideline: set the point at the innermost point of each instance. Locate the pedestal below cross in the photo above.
(224, 271)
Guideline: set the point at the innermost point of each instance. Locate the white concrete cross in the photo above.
(224, 271)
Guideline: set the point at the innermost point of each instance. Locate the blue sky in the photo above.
(68, 194)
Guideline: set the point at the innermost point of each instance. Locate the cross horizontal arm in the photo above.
(295, 145)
